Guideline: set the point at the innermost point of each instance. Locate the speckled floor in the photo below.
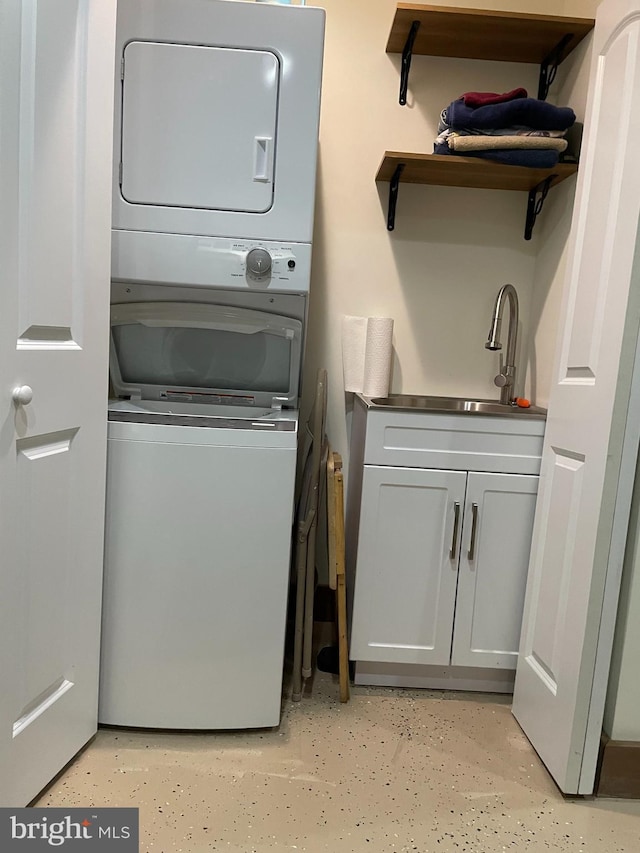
(391, 771)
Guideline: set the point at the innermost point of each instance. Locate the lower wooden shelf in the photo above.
(453, 171)
(471, 172)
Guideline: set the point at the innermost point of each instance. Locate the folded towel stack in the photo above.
(506, 128)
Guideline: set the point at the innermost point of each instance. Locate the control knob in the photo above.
(259, 262)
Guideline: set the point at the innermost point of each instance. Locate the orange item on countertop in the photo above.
(522, 402)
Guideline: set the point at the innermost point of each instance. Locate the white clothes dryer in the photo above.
(216, 127)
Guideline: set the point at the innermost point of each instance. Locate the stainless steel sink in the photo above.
(457, 405)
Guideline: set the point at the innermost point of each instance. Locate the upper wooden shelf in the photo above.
(482, 34)
(454, 171)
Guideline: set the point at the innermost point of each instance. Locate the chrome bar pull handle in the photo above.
(456, 525)
(474, 527)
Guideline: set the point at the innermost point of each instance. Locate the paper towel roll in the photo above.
(366, 354)
(354, 340)
(377, 358)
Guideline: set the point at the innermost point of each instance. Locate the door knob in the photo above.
(22, 395)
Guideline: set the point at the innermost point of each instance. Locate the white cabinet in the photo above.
(406, 581)
(438, 557)
(494, 558)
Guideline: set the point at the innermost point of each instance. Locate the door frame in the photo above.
(627, 394)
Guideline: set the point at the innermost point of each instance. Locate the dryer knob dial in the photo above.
(259, 262)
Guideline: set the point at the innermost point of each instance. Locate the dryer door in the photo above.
(198, 126)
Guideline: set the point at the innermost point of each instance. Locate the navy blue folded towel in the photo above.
(538, 115)
(532, 158)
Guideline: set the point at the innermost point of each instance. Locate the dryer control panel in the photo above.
(210, 261)
(264, 262)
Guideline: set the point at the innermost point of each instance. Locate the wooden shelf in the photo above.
(471, 172)
(453, 171)
(481, 34)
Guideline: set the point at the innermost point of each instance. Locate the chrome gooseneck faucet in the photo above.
(506, 379)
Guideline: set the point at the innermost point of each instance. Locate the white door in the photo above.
(496, 542)
(56, 100)
(588, 462)
(407, 565)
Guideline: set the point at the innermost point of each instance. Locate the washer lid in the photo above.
(199, 126)
(204, 353)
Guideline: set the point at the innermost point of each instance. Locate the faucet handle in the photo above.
(503, 378)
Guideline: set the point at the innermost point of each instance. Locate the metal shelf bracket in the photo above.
(549, 67)
(393, 196)
(535, 202)
(406, 62)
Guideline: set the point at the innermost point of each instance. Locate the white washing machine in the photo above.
(200, 482)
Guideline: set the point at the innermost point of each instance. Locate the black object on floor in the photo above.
(327, 660)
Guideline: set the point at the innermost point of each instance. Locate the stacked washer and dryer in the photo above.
(216, 130)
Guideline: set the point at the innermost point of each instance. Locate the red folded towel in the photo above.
(481, 99)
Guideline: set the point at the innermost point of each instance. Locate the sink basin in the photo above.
(457, 405)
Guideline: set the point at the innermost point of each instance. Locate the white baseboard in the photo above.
(435, 677)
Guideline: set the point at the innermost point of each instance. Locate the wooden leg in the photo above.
(341, 591)
(301, 570)
(310, 589)
(331, 521)
(343, 648)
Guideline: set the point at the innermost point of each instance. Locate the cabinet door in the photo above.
(407, 565)
(498, 524)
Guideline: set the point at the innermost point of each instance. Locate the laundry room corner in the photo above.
(437, 273)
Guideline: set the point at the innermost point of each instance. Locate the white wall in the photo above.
(438, 273)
